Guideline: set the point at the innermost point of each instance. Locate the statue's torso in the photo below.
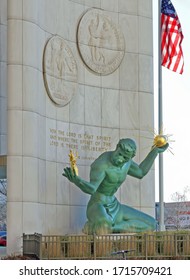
(114, 177)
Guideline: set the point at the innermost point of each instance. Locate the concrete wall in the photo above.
(102, 108)
(3, 81)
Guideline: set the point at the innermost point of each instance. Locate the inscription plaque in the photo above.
(59, 70)
(100, 42)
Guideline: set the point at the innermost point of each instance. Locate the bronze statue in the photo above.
(105, 213)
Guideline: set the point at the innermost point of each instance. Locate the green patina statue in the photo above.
(104, 212)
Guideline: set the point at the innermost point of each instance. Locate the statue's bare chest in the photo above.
(116, 175)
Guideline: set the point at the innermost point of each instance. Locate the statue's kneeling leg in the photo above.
(132, 220)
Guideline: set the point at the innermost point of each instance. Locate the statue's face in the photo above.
(120, 157)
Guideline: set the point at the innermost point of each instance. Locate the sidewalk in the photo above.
(3, 252)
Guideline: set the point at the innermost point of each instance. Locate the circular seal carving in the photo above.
(100, 42)
(60, 71)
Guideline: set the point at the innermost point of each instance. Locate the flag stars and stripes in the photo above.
(171, 38)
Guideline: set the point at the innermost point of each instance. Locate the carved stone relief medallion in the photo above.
(100, 42)
(60, 71)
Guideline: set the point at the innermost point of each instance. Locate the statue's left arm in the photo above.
(140, 170)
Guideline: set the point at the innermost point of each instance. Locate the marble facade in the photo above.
(104, 106)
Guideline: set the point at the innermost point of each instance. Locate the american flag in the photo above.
(171, 38)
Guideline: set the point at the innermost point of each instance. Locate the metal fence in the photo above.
(159, 245)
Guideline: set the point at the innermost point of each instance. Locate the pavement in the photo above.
(3, 251)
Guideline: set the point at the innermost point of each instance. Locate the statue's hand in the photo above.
(163, 148)
(70, 174)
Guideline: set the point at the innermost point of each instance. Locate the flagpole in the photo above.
(160, 125)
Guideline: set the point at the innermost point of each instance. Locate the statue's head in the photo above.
(124, 152)
(127, 145)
